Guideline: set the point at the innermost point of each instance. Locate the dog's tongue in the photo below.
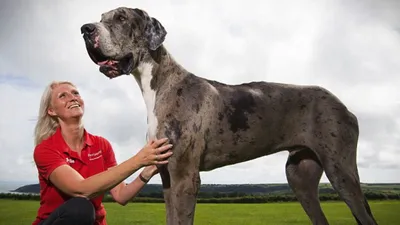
(109, 68)
(107, 62)
(102, 63)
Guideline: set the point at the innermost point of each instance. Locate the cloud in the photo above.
(349, 47)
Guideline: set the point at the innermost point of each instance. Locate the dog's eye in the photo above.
(121, 18)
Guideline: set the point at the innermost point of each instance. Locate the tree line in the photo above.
(233, 197)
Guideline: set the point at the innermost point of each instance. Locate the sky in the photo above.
(351, 48)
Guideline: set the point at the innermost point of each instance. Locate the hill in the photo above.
(208, 190)
(232, 193)
(254, 189)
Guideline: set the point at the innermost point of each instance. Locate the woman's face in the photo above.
(66, 103)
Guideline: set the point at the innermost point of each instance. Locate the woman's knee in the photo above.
(82, 209)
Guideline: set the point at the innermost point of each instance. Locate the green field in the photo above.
(21, 212)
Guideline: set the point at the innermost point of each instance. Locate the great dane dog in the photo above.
(213, 124)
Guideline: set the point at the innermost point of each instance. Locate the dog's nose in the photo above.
(88, 28)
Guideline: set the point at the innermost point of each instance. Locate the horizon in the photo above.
(33, 183)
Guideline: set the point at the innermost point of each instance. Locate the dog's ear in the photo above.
(154, 31)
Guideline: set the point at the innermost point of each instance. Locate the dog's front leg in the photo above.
(183, 195)
(180, 197)
(166, 183)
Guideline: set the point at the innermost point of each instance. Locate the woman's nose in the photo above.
(72, 97)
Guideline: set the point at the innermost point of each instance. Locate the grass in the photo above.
(22, 212)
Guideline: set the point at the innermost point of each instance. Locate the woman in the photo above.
(76, 168)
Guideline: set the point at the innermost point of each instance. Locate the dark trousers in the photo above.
(76, 211)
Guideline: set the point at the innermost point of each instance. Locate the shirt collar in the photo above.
(88, 140)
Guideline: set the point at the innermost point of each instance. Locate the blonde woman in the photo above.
(76, 167)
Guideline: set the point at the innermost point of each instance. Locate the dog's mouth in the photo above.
(109, 66)
(112, 67)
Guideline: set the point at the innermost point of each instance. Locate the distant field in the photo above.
(22, 212)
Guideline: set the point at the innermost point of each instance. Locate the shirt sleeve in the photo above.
(47, 159)
(108, 154)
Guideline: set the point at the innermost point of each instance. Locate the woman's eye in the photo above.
(62, 95)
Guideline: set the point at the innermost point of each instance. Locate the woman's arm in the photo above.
(124, 192)
(72, 183)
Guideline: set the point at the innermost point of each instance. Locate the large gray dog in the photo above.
(212, 124)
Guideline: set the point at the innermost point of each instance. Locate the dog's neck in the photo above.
(158, 70)
(155, 74)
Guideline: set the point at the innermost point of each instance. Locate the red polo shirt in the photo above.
(97, 155)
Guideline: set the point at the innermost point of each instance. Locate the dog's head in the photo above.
(121, 39)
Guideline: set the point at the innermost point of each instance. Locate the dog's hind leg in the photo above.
(333, 135)
(303, 172)
(341, 171)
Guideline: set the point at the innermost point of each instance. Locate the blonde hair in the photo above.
(46, 125)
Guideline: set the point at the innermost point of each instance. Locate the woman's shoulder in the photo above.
(45, 145)
(99, 140)
(46, 150)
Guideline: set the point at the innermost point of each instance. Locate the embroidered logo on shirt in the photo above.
(94, 156)
(70, 160)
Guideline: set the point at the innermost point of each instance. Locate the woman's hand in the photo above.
(153, 153)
